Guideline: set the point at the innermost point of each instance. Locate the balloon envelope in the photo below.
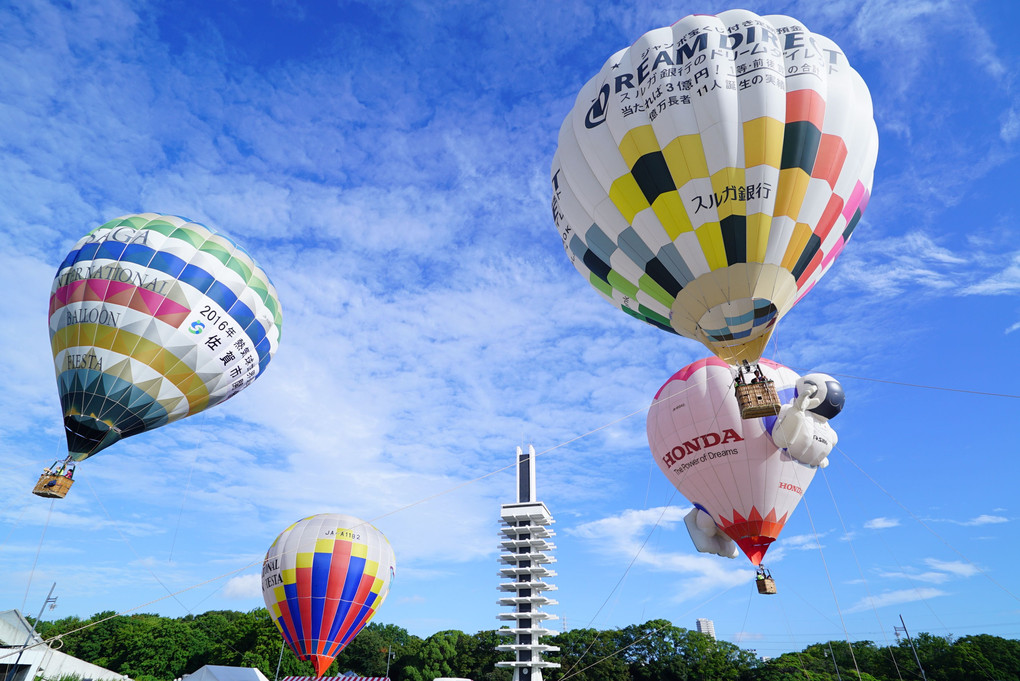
(154, 318)
(711, 173)
(725, 465)
(323, 579)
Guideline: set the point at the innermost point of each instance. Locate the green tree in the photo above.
(97, 642)
(590, 655)
(216, 633)
(153, 646)
(256, 642)
(711, 659)
(366, 653)
(935, 655)
(654, 651)
(477, 656)
(848, 658)
(1003, 655)
(50, 629)
(885, 662)
(435, 658)
(793, 666)
(405, 656)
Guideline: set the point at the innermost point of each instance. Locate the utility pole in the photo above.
(833, 656)
(389, 656)
(911, 642)
(279, 661)
(50, 601)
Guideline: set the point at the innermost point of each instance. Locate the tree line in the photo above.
(153, 648)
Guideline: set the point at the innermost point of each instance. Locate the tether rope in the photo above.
(116, 526)
(38, 550)
(927, 527)
(832, 586)
(616, 586)
(917, 385)
(655, 526)
(860, 571)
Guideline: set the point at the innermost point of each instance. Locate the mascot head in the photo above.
(826, 396)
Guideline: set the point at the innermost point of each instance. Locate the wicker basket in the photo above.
(766, 585)
(758, 399)
(52, 486)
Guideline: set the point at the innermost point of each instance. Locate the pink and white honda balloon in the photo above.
(728, 467)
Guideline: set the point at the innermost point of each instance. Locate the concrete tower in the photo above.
(524, 542)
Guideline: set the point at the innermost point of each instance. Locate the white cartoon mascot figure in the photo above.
(802, 427)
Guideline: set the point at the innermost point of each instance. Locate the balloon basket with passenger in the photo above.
(757, 398)
(55, 481)
(763, 578)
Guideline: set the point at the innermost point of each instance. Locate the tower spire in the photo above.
(525, 475)
(524, 540)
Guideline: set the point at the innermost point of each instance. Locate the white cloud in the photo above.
(983, 519)
(243, 587)
(1004, 282)
(802, 542)
(632, 522)
(881, 523)
(957, 568)
(625, 534)
(889, 266)
(1010, 130)
(895, 598)
(929, 577)
(941, 571)
(902, 31)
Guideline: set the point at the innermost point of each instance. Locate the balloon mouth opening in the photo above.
(738, 321)
(754, 547)
(86, 435)
(321, 664)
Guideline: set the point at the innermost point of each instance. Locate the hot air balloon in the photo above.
(152, 318)
(711, 173)
(728, 467)
(323, 579)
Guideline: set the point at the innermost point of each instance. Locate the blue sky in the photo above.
(388, 165)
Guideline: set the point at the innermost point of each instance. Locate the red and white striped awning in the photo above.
(336, 678)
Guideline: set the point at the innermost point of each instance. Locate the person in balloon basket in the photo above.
(802, 426)
(59, 469)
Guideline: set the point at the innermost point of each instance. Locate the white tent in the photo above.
(218, 672)
(24, 656)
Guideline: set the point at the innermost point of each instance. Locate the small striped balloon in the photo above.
(323, 580)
